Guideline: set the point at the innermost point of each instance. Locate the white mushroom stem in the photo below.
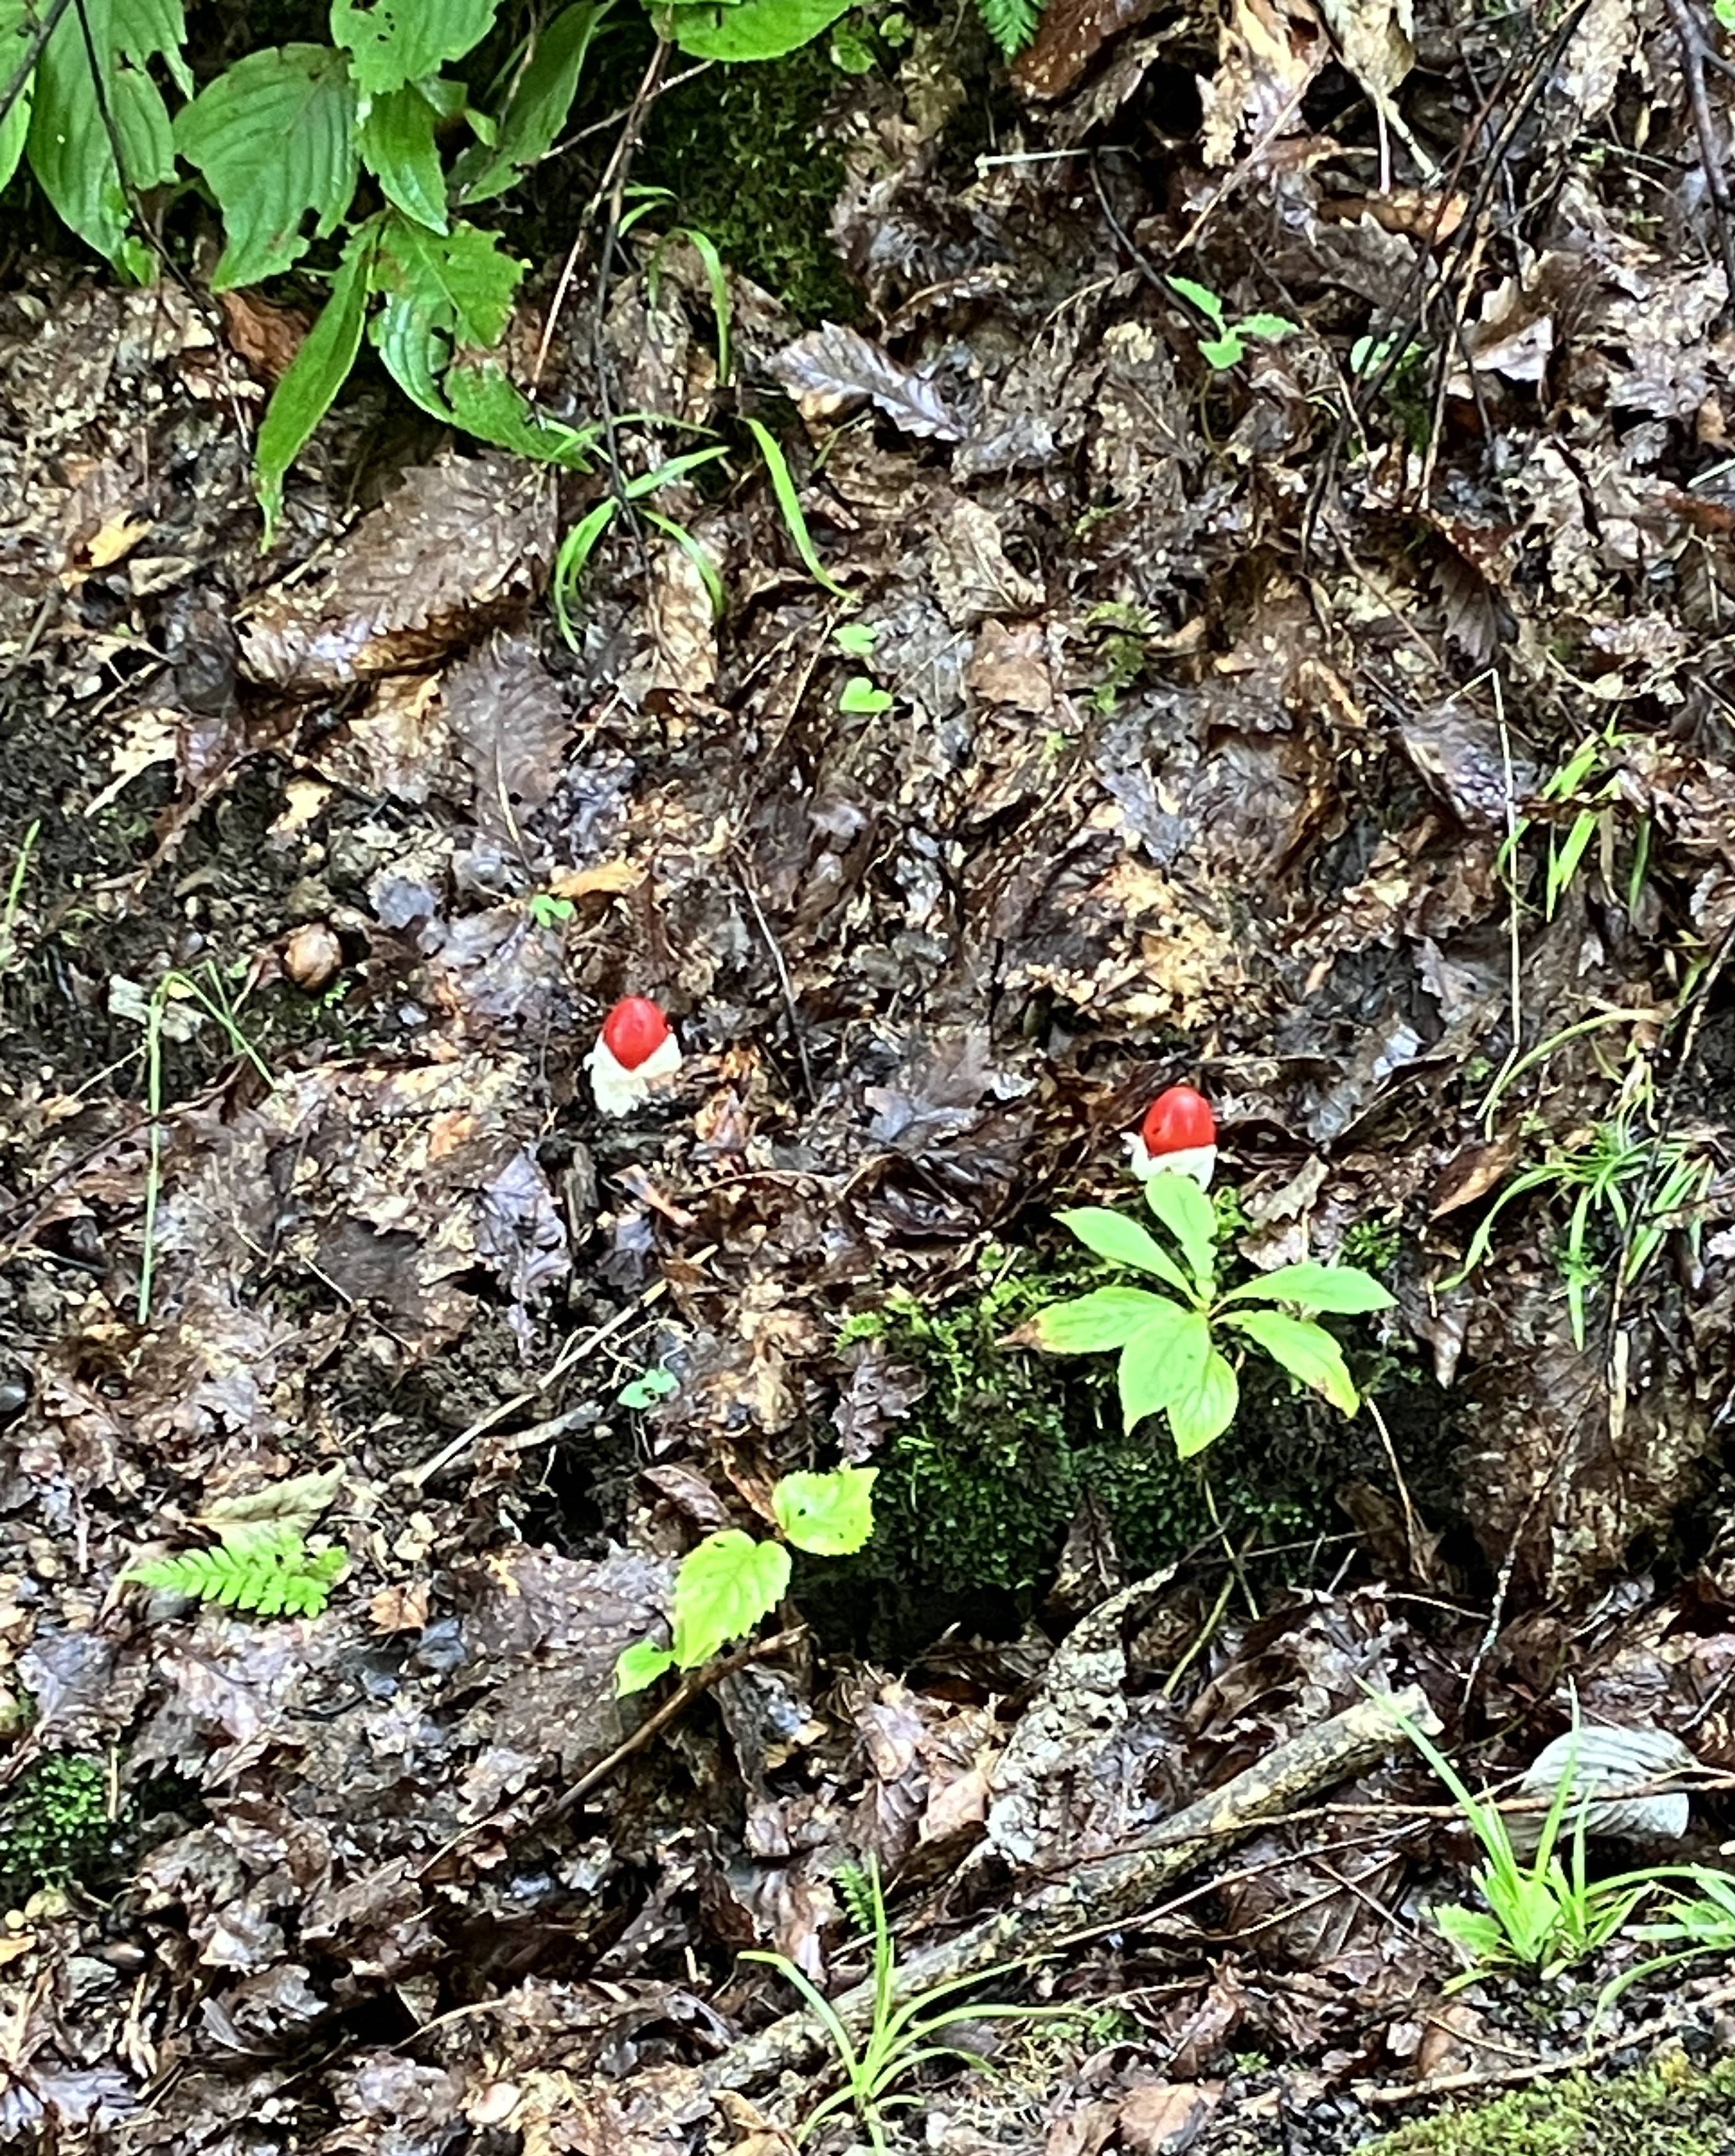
(622, 1092)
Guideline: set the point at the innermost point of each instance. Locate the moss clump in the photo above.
(980, 1484)
(1669, 2108)
(55, 1823)
(740, 149)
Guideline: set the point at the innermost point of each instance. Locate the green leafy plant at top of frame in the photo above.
(1171, 1344)
(290, 139)
(727, 1583)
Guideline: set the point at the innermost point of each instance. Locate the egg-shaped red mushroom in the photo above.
(634, 1030)
(635, 1051)
(1178, 1135)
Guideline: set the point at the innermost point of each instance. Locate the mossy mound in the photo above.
(742, 149)
(981, 1483)
(1670, 2107)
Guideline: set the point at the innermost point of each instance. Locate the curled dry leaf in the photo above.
(834, 369)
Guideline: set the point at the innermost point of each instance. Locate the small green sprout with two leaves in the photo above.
(727, 1583)
(1171, 1344)
(1227, 345)
(860, 693)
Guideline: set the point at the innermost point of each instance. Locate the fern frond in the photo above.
(859, 1888)
(266, 1568)
(1011, 23)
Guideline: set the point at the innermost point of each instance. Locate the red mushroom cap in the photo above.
(633, 1031)
(1178, 1120)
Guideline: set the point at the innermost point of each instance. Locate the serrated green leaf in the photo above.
(1305, 1350)
(751, 30)
(463, 280)
(1187, 1212)
(68, 144)
(1200, 1414)
(827, 1515)
(491, 405)
(1345, 1289)
(722, 1589)
(1106, 1318)
(1200, 296)
(1222, 352)
(398, 148)
(639, 1666)
(537, 111)
(1163, 1362)
(17, 41)
(1270, 327)
(274, 137)
(1123, 1242)
(394, 41)
(318, 371)
(260, 1566)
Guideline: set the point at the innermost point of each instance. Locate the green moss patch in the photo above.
(55, 1823)
(742, 150)
(1669, 2108)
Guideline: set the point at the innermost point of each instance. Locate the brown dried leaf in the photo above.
(456, 546)
(834, 369)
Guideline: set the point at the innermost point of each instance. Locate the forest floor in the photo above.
(1338, 715)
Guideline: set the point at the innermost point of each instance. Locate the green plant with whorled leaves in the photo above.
(1175, 1344)
(727, 1583)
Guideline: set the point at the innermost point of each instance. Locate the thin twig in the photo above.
(1717, 186)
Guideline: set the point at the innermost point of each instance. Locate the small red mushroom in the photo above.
(1178, 1135)
(635, 1051)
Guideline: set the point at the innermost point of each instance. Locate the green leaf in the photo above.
(1106, 1318)
(17, 41)
(262, 1567)
(461, 280)
(722, 1589)
(442, 289)
(753, 30)
(1200, 296)
(537, 111)
(1164, 1362)
(490, 404)
(860, 694)
(1305, 1350)
(1123, 1242)
(1199, 1416)
(1345, 1289)
(1222, 351)
(656, 1383)
(639, 1666)
(274, 137)
(782, 487)
(318, 371)
(1187, 1212)
(398, 148)
(827, 1515)
(69, 144)
(394, 41)
(856, 641)
(1270, 327)
(1011, 23)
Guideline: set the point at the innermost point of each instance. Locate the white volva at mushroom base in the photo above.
(622, 1092)
(1199, 1162)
